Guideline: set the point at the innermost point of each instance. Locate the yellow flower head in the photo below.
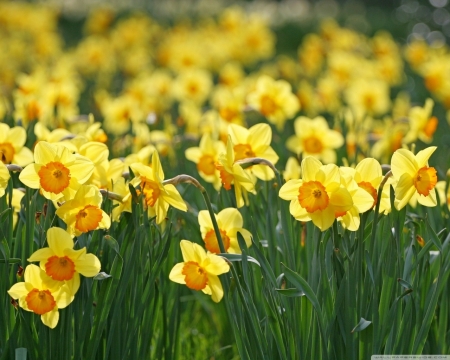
(234, 174)
(422, 124)
(254, 142)
(157, 197)
(293, 169)
(313, 137)
(415, 179)
(319, 196)
(34, 294)
(206, 156)
(274, 99)
(56, 171)
(230, 222)
(12, 150)
(83, 213)
(200, 270)
(62, 264)
(4, 178)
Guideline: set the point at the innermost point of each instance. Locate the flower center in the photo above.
(312, 145)
(206, 165)
(212, 244)
(370, 189)
(313, 196)
(40, 301)
(267, 105)
(88, 218)
(243, 151)
(369, 102)
(425, 180)
(151, 190)
(228, 114)
(60, 268)
(33, 110)
(6, 153)
(225, 176)
(195, 276)
(54, 177)
(431, 126)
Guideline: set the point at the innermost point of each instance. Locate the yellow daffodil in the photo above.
(274, 99)
(4, 178)
(12, 150)
(230, 222)
(62, 264)
(206, 156)
(421, 124)
(83, 213)
(231, 173)
(35, 295)
(414, 178)
(319, 196)
(313, 137)
(56, 171)
(200, 270)
(254, 142)
(157, 197)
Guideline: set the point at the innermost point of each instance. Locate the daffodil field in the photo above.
(216, 187)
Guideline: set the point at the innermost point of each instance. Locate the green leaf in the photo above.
(112, 243)
(10, 261)
(404, 283)
(363, 323)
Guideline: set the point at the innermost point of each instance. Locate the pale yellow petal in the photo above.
(192, 251)
(429, 200)
(88, 265)
(174, 198)
(230, 218)
(176, 274)
(18, 290)
(310, 167)
(59, 240)
(216, 288)
(41, 255)
(44, 152)
(403, 162)
(323, 219)
(51, 318)
(290, 190)
(423, 156)
(29, 176)
(216, 265)
(260, 136)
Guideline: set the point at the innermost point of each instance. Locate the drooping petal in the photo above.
(404, 190)
(51, 318)
(323, 219)
(429, 200)
(216, 288)
(174, 198)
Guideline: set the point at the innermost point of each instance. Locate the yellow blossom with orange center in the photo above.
(12, 149)
(83, 213)
(415, 180)
(38, 294)
(199, 270)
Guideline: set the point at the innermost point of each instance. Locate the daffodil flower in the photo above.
(12, 150)
(56, 171)
(157, 197)
(63, 264)
(200, 270)
(319, 196)
(415, 179)
(254, 142)
(36, 295)
(230, 222)
(83, 213)
(313, 137)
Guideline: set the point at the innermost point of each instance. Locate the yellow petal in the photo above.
(29, 176)
(370, 170)
(88, 265)
(404, 190)
(230, 218)
(403, 161)
(216, 265)
(323, 219)
(173, 197)
(423, 156)
(19, 290)
(192, 251)
(44, 152)
(41, 255)
(260, 136)
(51, 318)
(216, 288)
(58, 240)
(290, 190)
(429, 200)
(176, 274)
(310, 167)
